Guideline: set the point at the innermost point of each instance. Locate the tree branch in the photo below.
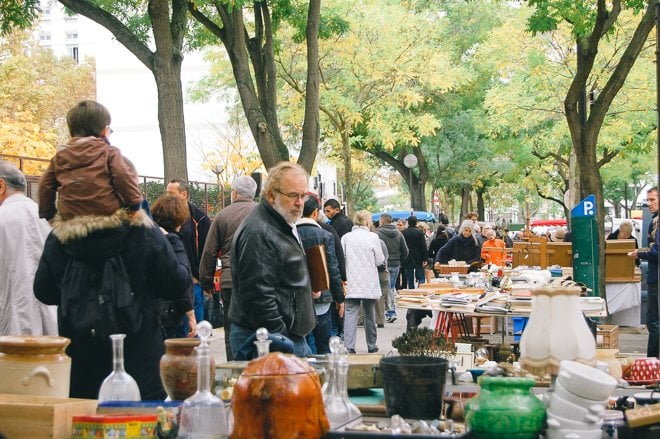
(116, 27)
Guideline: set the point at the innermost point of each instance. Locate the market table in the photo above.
(624, 300)
(451, 321)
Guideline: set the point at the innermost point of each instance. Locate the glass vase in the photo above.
(203, 415)
(338, 407)
(119, 385)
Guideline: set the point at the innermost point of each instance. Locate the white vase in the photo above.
(556, 331)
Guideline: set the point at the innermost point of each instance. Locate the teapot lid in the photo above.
(277, 363)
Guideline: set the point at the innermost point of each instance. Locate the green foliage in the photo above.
(20, 14)
(424, 342)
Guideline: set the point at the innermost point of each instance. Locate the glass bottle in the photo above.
(203, 415)
(338, 407)
(119, 385)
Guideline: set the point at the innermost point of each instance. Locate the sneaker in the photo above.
(391, 319)
(351, 351)
(373, 351)
(380, 325)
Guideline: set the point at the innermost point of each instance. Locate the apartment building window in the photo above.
(71, 35)
(73, 53)
(44, 35)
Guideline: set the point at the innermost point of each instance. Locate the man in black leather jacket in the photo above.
(271, 286)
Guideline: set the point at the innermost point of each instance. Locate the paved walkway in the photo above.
(632, 341)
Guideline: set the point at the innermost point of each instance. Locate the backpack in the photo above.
(98, 299)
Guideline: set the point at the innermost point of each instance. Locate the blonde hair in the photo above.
(362, 218)
(277, 173)
(626, 226)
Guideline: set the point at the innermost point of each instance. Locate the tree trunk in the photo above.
(348, 173)
(481, 206)
(585, 130)
(465, 203)
(311, 129)
(170, 113)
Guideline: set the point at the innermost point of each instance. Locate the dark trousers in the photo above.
(652, 320)
(411, 273)
(337, 328)
(319, 339)
(225, 293)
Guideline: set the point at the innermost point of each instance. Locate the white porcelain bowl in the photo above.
(565, 433)
(590, 422)
(585, 381)
(574, 399)
(567, 409)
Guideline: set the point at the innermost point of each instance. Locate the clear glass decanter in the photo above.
(119, 385)
(203, 415)
(338, 407)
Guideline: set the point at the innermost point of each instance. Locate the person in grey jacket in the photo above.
(218, 245)
(397, 251)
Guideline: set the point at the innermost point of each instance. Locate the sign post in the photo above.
(585, 243)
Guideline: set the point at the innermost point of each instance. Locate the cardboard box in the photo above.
(28, 416)
(114, 426)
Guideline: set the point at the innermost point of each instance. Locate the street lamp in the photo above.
(410, 161)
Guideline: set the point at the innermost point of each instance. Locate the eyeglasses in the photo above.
(294, 196)
(110, 131)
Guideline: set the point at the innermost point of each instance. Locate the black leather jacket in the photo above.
(271, 286)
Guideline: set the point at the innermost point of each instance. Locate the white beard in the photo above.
(290, 216)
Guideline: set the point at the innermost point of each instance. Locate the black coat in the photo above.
(154, 272)
(271, 286)
(416, 242)
(342, 224)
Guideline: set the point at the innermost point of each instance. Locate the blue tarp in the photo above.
(404, 214)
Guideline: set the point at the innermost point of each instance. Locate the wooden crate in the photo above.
(449, 269)
(619, 267)
(28, 416)
(607, 337)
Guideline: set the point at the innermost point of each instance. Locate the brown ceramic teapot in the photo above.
(278, 396)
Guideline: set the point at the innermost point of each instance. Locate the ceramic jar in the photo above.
(34, 365)
(178, 368)
(505, 407)
(556, 331)
(278, 396)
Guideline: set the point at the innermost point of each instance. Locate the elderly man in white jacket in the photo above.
(22, 237)
(363, 256)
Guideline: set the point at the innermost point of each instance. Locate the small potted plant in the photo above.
(423, 342)
(413, 382)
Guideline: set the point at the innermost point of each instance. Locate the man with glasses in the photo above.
(271, 286)
(651, 255)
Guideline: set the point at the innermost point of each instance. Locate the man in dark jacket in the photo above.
(341, 223)
(218, 245)
(154, 272)
(413, 266)
(311, 234)
(652, 319)
(271, 286)
(193, 234)
(397, 251)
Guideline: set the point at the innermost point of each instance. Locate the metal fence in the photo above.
(211, 197)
